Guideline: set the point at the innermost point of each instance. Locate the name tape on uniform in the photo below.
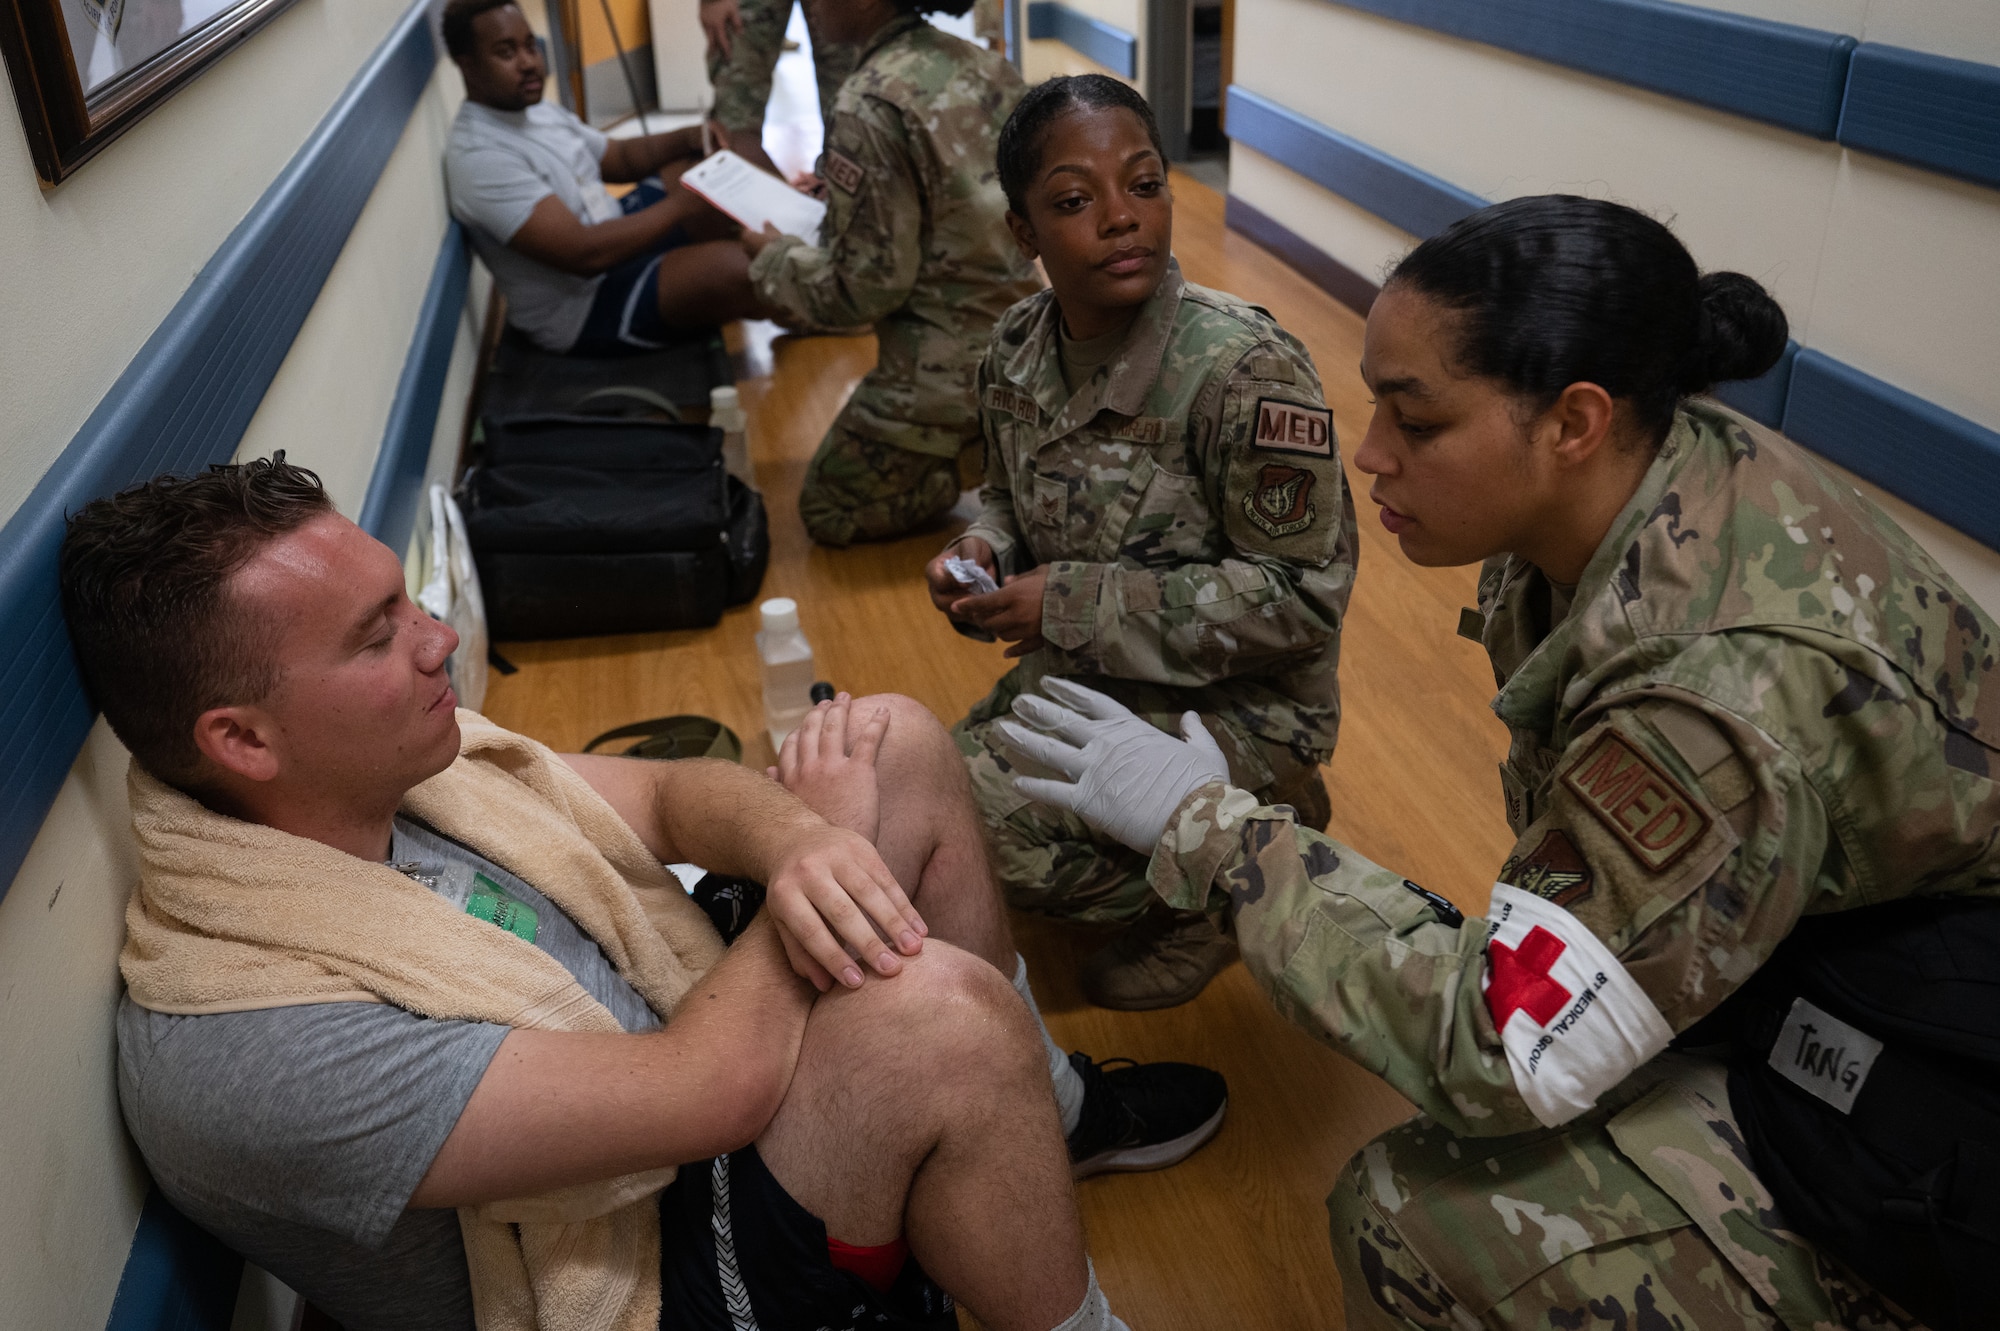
(1573, 1021)
(1644, 807)
(842, 171)
(1139, 429)
(1823, 1055)
(1287, 427)
(1015, 403)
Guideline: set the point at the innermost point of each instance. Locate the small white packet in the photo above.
(970, 575)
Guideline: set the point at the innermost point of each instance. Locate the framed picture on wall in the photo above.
(84, 71)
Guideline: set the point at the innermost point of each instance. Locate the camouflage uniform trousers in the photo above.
(1558, 1229)
(1048, 861)
(859, 488)
(742, 79)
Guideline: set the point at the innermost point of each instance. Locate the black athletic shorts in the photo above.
(736, 1252)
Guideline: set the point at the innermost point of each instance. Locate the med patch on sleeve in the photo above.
(1573, 1021)
(1292, 427)
(841, 171)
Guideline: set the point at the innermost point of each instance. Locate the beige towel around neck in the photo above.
(231, 916)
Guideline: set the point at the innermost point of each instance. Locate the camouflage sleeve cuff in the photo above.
(767, 268)
(1203, 834)
(1069, 604)
(1002, 542)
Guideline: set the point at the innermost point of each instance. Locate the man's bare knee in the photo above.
(946, 1011)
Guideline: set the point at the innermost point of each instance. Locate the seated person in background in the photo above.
(912, 243)
(1165, 505)
(387, 961)
(1755, 731)
(582, 272)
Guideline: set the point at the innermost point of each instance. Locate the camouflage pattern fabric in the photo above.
(1189, 503)
(1764, 700)
(742, 79)
(1563, 1230)
(913, 240)
(861, 489)
(1047, 860)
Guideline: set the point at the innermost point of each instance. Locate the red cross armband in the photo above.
(1573, 1021)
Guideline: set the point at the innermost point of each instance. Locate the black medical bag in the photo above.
(1904, 1184)
(588, 525)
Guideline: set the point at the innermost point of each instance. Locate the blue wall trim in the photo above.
(1943, 463)
(1387, 186)
(1926, 109)
(177, 1278)
(1776, 72)
(391, 505)
(1114, 48)
(183, 402)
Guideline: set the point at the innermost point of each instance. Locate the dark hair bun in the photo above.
(1743, 332)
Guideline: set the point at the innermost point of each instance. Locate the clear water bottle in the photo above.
(725, 413)
(787, 660)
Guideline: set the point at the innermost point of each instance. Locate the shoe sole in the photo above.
(1159, 1155)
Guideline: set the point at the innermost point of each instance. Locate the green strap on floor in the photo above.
(668, 737)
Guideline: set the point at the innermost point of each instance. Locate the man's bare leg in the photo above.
(932, 841)
(920, 1107)
(706, 284)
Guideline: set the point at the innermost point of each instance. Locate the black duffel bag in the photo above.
(584, 525)
(1867, 1083)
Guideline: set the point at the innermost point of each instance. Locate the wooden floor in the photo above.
(1236, 1236)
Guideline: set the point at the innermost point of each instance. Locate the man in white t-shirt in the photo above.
(582, 272)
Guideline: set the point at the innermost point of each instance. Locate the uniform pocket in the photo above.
(1170, 522)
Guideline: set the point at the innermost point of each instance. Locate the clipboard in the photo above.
(754, 196)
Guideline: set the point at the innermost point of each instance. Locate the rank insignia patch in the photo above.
(1555, 870)
(1287, 427)
(1282, 502)
(842, 171)
(1643, 806)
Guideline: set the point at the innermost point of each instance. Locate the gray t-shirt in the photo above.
(297, 1134)
(497, 166)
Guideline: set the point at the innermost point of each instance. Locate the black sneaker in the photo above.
(1143, 1115)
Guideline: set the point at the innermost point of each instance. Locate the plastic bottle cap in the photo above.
(781, 614)
(723, 398)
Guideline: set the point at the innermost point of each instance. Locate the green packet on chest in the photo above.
(490, 902)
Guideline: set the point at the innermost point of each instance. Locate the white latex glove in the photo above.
(1127, 776)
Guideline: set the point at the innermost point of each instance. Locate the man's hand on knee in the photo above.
(834, 900)
(829, 763)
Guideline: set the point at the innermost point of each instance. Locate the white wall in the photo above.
(86, 272)
(1892, 269)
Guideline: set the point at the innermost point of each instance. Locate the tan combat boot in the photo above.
(1162, 961)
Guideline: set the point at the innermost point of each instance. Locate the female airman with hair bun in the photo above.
(1754, 731)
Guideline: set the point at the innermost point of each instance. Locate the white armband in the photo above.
(1572, 1019)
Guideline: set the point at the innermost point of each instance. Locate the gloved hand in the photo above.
(1126, 775)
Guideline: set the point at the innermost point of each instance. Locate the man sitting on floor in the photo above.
(582, 272)
(387, 961)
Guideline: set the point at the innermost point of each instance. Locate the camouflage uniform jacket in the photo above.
(1765, 701)
(1189, 502)
(914, 239)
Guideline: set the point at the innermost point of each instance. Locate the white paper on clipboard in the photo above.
(753, 196)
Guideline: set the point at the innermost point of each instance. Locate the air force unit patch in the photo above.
(1281, 501)
(1573, 1021)
(1287, 427)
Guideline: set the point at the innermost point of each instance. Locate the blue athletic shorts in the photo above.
(625, 317)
